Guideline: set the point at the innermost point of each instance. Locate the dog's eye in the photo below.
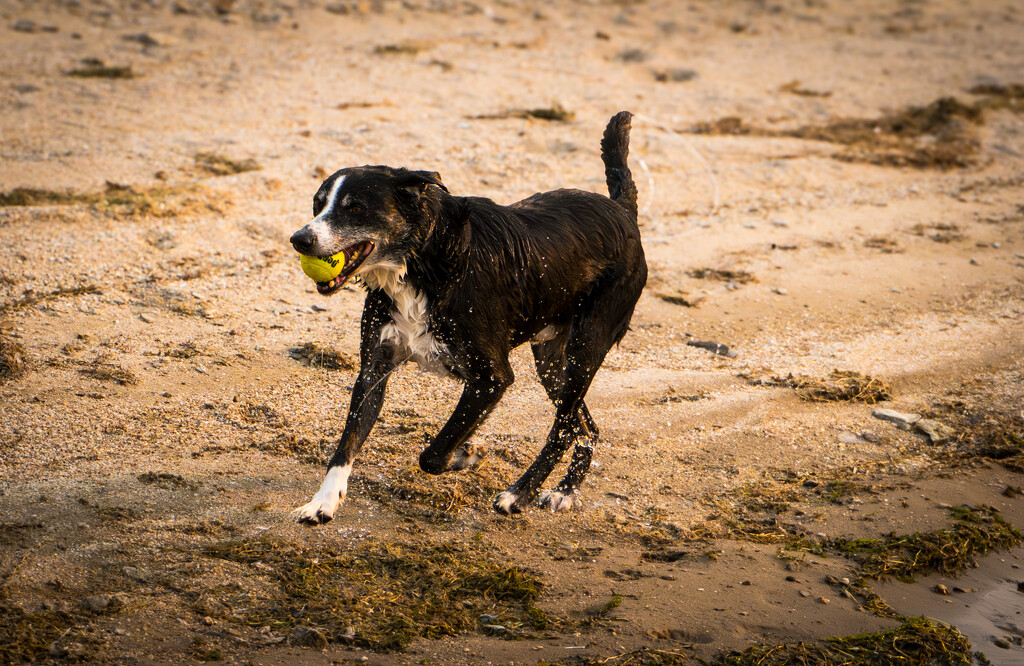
(355, 208)
(318, 204)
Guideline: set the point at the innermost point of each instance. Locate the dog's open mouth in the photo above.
(355, 255)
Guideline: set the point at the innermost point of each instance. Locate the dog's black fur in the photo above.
(566, 265)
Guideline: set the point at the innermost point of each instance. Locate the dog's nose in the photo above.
(303, 240)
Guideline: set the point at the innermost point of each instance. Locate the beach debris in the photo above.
(898, 418)
(713, 347)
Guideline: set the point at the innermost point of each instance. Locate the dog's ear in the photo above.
(415, 182)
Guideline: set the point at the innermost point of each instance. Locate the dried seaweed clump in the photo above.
(976, 531)
(723, 275)
(26, 635)
(12, 360)
(995, 430)
(916, 641)
(110, 372)
(411, 492)
(219, 165)
(839, 386)
(938, 135)
(383, 595)
(316, 356)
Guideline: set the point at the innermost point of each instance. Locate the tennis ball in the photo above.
(322, 270)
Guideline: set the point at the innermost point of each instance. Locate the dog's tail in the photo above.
(614, 153)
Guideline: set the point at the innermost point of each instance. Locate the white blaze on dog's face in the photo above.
(376, 215)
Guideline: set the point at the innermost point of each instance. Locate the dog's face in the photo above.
(376, 215)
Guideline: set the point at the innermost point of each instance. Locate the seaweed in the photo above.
(100, 71)
(916, 641)
(110, 372)
(555, 112)
(723, 275)
(383, 595)
(219, 165)
(13, 361)
(30, 298)
(313, 355)
(839, 386)
(26, 635)
(125, 201)
(975, 531)
(937, 135)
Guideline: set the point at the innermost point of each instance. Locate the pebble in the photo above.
(318, 308)
(975, 262)
(939, 588)
(935, 431)
(804, 593)
(896, 417)
(1002, 643)
(150, 39)
(148, 320)
(780, 223)
(306, 637)
(823, 600)
(781, 291)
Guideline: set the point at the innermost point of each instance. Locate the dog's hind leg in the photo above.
(601, 319)
(550, 361)
(448, 451)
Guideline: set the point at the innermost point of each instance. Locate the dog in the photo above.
(456, 283)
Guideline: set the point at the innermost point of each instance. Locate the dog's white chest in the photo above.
(409, 330)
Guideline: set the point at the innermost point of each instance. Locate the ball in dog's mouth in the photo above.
(355, 255)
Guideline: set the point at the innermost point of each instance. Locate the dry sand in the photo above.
(158, 301)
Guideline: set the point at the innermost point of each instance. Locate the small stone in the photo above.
(823, 600)
(306, 637)
(208, 621)
(1020, 586)
(975, 262)
(780, 223)
(1002, 643)
(151, 39)
(97, 602)
(145, 318)
(746, 582)
(896, 417)
(781, 291)
(831, 580)
(318, 308)
(963, 590)
(804, 593)
(847, 437)
(939, 588)
(936, 432)
(792, 579)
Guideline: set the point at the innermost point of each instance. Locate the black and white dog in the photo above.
(456, 283)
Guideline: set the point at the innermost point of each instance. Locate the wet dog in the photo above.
(456, 283)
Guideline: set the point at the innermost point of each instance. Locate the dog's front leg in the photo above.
(377, 362)
(477, 401)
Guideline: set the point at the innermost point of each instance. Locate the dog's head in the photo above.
(376, 215)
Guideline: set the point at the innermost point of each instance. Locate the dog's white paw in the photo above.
(505, 503)
(467, 456)
(326, 501)
(558, 501)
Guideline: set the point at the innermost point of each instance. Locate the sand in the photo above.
(153, 294)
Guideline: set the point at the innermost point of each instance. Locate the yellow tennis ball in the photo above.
(322, 270)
